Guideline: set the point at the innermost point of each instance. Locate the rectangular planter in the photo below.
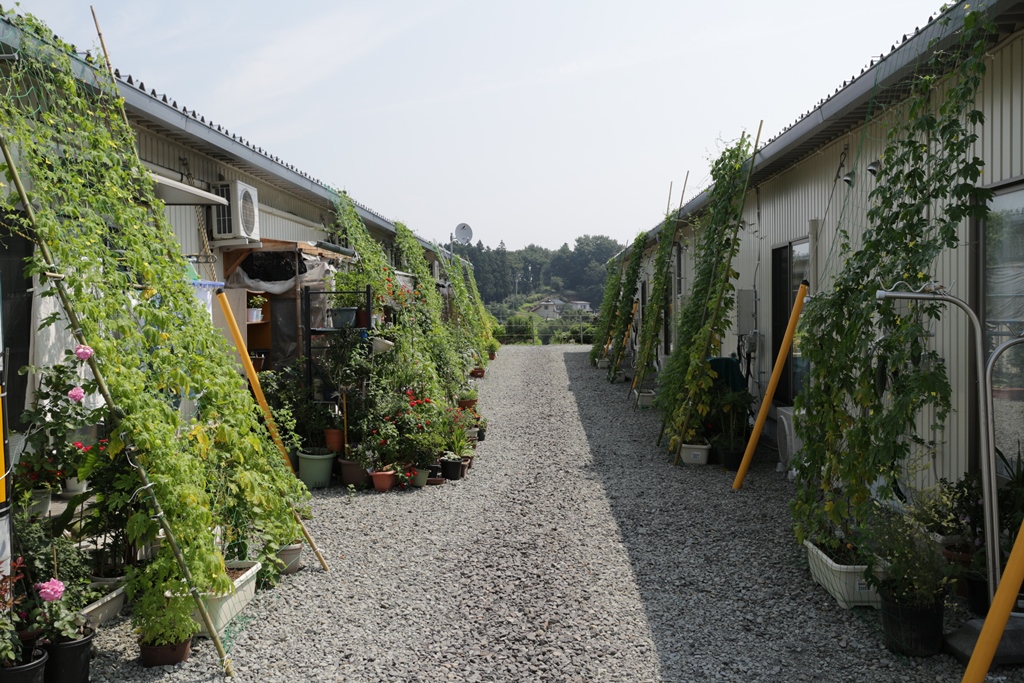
(224, 608)
(645, 399)
(844, 582)
(694, 453)
(106, 608)
(602, 363)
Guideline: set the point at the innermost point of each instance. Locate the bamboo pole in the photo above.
(611, 318)
(625, 339)
(725, 276)
(254, 381)
(642, 371)
(115, 412)
(780, 362)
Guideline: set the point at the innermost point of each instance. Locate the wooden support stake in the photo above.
(115, 413)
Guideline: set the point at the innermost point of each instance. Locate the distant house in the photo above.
(549, 309)
(580, 306)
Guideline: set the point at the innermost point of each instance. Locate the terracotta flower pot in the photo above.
(469, 403)
(384, 481)
(335, 439)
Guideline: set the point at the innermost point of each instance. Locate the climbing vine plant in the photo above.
(607, 311)
(122, 267)
(871, 371)
(647, 345)
(624, 308)
(685, 386)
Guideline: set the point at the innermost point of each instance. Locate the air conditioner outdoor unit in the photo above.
(240, 219)
(789, 442)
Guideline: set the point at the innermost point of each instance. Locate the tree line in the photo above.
(509, 277)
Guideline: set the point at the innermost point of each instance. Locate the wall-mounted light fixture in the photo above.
(849, 177)
(874, 167)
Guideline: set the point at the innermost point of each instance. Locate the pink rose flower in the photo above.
(76, 394)
(51, 591)
(83, 352)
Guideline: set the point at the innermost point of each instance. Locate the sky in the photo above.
(534, 121)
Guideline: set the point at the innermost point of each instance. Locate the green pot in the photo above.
(315, 467)
(420, 480)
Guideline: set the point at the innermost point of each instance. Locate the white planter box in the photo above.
(845, 583)
(224, 608)
(602, 363)
(694, 453)
(106, 608)
(645, 399)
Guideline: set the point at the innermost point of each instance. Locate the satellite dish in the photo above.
(463, 233)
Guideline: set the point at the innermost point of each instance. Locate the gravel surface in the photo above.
(573, 551)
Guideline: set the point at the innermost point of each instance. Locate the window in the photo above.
(790, 266)
(1003, 288)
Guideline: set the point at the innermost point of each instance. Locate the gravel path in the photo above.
(574, 551)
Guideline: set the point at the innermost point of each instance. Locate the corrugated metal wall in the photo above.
(778, 212)
(163, 152)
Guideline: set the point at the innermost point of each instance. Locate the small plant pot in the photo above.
(164, 655)
(335, 440)
(352, 473)
(384, 481)
(28, 673)
(468, 403)
(290, 556)
(477, 372)
(420, 480)
(342, 318)
(731, 458)
(451, 469)
(466, 462)
(254, 315)
(491, 355)
(69, 662)
(315, 467)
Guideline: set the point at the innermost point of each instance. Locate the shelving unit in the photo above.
(312, 335)
(258, 333)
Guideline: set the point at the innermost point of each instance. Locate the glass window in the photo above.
(790, 266)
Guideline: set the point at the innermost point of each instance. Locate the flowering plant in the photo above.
(58, 623)
(11, 651)
(57, 411)
(39, 470)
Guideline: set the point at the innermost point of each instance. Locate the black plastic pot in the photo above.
(732, 458)
(451, 469)
(69, 662)
(914, 630)
(32, 672)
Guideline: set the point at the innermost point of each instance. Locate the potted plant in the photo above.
(492, 346)
(911, 577)
(63, 632)
(467, 397)
(451, 466)
(164, 626)
(17, 661)
(254, 312)
(732, 416)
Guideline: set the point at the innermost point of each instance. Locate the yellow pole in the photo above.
(250, 371)
(780, 362)
(998, 613)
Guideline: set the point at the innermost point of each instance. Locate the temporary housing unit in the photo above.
(231, 204)
(813, 179)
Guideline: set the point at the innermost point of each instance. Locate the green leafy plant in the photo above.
(607, 312)
(468, 394)
(257, 301)
(903, 561)
(624, 309)
(56, 621)
(124, 276)
(871, 371)
(685, 387)
(11, 653)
